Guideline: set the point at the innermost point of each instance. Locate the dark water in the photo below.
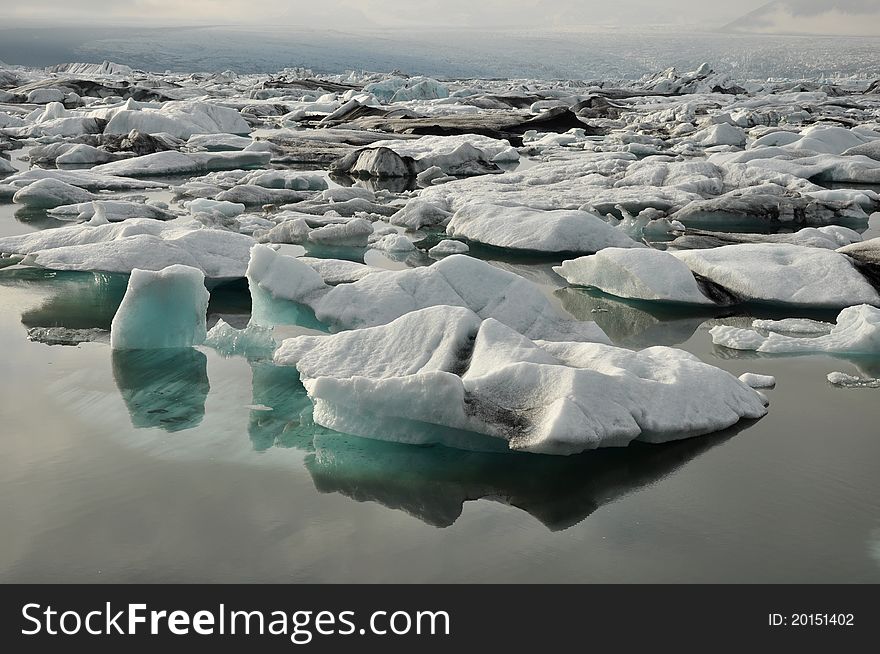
(168, 466)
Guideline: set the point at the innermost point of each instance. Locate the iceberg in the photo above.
(252, 342)
(384, 295)
(163, 309)
(783, 274)
(50, 193)
(135, 243)
(447, 247)
(180, 119)
(441, 373)
(857, 332)
(644, 274)
(523, 228)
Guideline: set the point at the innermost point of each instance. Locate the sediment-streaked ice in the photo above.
(437, 374)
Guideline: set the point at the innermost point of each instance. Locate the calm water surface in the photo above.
(190, 466)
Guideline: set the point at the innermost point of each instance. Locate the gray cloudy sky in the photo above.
(840, 16)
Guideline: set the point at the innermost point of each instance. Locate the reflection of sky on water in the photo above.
(226, 461)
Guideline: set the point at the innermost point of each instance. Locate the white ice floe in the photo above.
(844, 380)
(783, 274)
(180, 119)
(161, 309)
(49, 193)
(111, 211)
(442, 374)
(382, 296)
(134, 243)
(754, 380)
(857, 332)
(417, 214)
(86, 179)
(179, 163)
(448, 247)
(644, 274)
(393, 243)
(522, 228)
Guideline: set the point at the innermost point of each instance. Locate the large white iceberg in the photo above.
(385, 295)
(161, 309)
(134, 243)
(443, 375)
(180, 119)
(646, 274)
(523, 228)
(784, 274)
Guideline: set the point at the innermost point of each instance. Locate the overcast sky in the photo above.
(839, 16)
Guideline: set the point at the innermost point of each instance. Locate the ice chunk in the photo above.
(721, 134)
(384, 295)
(180, 119)
(164, 309)
(417, 214)
(110, 211)
(642, 274)
(134, 243)
(523, 228)
(783, 273)
(458, 280)
(851, 381)
(799, 326)
(253, 342)
(179, 163)
(447, 247)
(857, 332)
(754, 380)
(49, 193)
(436, 374)
(393, 243)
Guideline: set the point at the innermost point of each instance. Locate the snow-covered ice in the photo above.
(436, 374)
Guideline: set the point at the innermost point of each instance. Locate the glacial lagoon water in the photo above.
(191, 466)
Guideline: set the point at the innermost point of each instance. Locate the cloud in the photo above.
(817, 7)
(832, 17)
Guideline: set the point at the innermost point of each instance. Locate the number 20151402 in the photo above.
(811, 620)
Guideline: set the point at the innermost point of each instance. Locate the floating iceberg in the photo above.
(857, 332)
(783, 274)
(636, 274)
(382, 296)
(135, 243)
(180, 119)
(252, 342)
(164, 309)
(437, 374)
(522, 228)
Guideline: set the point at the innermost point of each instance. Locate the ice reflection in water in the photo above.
(164, 388)
(432, 483)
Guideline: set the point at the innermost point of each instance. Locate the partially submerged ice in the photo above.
(161, 309)
(134, 243)
(522, 228)
(857, 332)
(777, 273)
(383, 296)
(444, 375)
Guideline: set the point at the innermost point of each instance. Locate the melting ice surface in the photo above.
(177, 459)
